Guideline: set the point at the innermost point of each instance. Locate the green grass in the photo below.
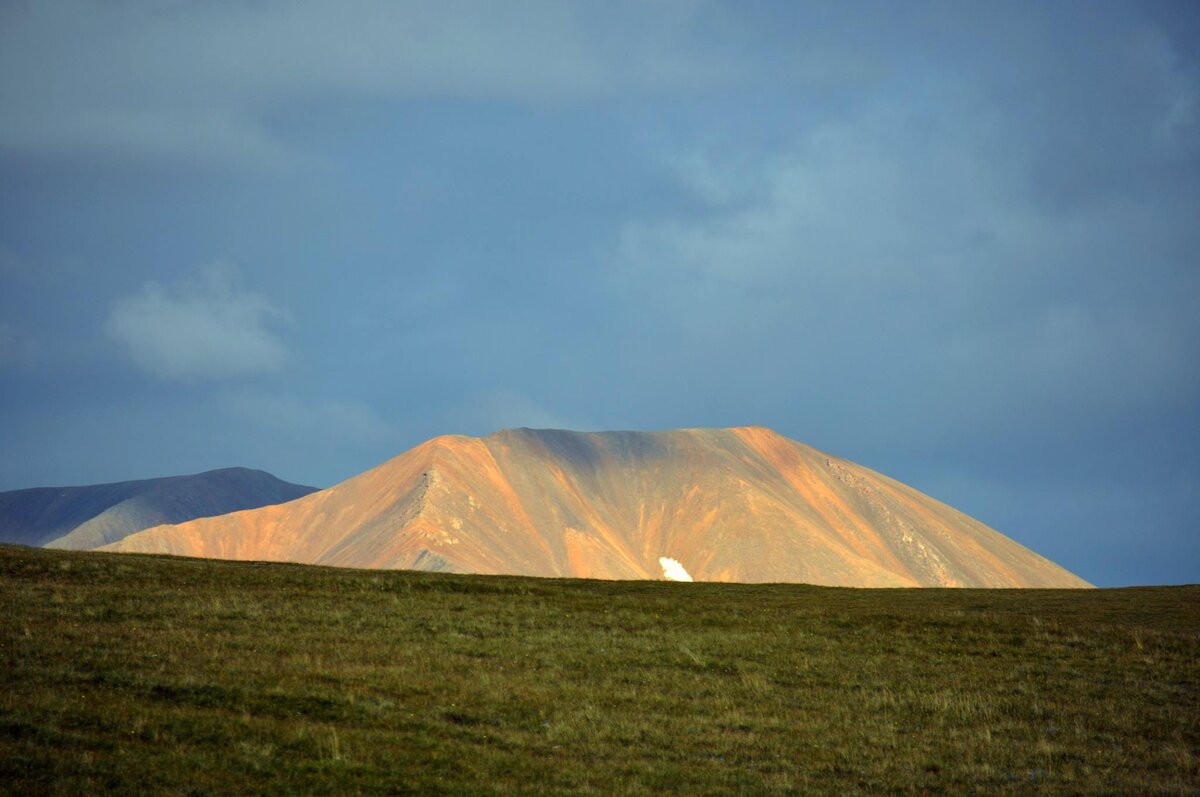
(153, 675)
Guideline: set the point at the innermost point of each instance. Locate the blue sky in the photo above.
(957, 243)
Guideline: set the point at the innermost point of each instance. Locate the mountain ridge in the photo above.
(87, 516)
(737, 504)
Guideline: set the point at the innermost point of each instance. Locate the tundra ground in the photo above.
(125, 674)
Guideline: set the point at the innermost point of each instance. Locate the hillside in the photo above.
(131, 675)
(88, 517)
(744, 505)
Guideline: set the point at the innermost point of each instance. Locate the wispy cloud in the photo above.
(153, 80)
(207, 328)
(352, 422)
(884, 236)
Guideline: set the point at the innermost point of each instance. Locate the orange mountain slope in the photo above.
(742, 504)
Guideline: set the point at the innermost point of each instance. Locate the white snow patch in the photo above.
(672, 570)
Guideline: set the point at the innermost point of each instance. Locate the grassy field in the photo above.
(150, 675)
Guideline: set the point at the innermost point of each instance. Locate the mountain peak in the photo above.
(92, 515)
(738, 504)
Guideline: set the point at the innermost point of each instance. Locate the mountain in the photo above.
(742, 504)
(88, 517)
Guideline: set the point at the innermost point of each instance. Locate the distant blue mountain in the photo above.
(87, 517)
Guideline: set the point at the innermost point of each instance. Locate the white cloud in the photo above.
(208, 328)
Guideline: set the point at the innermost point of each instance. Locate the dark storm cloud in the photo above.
(955, 243)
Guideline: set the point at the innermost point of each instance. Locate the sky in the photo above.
(958, 243)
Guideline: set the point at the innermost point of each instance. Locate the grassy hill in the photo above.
(139, 675)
